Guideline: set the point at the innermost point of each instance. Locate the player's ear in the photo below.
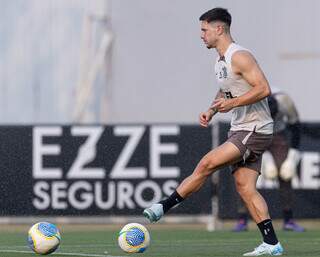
(220, 29)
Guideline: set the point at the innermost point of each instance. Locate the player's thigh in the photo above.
(221, 156)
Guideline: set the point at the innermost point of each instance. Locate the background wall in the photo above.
(159, 70)
(39, 59)
(162, 71)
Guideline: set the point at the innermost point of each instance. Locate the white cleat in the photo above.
(154, 213)
(266, 249)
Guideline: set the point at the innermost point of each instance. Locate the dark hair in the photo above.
(217, 14)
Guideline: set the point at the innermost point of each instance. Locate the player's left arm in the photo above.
(244, 64)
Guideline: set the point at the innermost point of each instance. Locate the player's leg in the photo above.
(245, 179)
(279, 150)
(286, 198)
(230, 152)
(246, 174)
(242, 221)
(223, 155)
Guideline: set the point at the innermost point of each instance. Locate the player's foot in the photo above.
(266, 249)
(241, 226)
(292, 226)
(154, 213)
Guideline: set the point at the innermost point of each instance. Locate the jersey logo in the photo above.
(228, 95)
(223, 73)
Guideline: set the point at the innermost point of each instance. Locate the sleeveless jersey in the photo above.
(254, 117)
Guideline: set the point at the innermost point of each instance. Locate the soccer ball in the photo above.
(44, 238)
(134, 238)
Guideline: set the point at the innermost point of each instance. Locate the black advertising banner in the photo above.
(306, 184)
(98, 170)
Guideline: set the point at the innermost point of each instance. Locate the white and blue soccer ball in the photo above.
(44, 238)
(134, 238)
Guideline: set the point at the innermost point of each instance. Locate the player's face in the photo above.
(209, 34)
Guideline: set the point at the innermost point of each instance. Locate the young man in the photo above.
(281, 159)
(243, 89)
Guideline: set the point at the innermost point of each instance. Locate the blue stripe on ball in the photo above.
(135, 237)
(47, 229)
(141, 250)
(30, 243)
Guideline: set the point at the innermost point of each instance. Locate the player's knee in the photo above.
(206, 166)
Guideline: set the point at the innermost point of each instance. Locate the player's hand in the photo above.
(288, 168)
(268, 167)
(205, 117)
(223, 105)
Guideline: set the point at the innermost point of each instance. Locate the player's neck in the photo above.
(223, 45)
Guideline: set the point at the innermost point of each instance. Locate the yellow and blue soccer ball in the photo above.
(134, 238)
(44, 238)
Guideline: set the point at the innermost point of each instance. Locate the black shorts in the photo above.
(251, 146)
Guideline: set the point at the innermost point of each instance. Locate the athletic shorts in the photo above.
(279, 148)
(251, 145)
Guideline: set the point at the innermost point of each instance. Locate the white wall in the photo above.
(162, 72)
(39, 59)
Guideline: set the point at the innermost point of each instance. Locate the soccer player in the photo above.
(243, 89)
(281, 160)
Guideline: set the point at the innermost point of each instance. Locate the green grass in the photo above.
(165, 242)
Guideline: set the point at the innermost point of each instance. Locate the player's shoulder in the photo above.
(238, 52)
(242, 59)
(242, 55)
(236, 49)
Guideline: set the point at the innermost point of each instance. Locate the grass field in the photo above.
(101, 241)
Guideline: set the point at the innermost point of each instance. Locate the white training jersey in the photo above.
(254, 117)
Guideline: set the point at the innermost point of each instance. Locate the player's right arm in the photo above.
(245, 65)
(205, 117)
